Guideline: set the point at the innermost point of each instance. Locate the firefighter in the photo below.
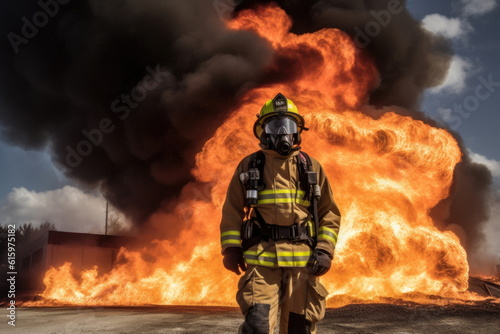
(279, 226)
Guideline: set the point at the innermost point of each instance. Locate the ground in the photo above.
(482, 317)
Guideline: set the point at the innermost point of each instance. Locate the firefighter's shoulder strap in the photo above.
(309, 183)
(305, 165)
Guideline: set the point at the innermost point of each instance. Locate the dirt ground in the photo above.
(479, 318)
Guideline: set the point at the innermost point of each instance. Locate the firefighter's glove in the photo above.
(233, 259)
(320, 262)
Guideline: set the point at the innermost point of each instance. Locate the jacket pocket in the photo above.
(316, 301)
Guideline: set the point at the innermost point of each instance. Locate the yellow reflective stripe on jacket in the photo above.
(282, 196)
(282, 191)
(284, 200)
(232, 237)
(265, 259)
(306, 253)
(293, 259)
(327, 233)
(279, 259)
(259, 253)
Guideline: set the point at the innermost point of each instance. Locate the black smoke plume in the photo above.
(76, 74)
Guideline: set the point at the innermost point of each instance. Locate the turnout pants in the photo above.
(288, 296)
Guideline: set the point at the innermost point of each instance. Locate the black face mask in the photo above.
(283, 144)
(281, 132)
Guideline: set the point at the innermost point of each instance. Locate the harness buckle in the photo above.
(284, 232)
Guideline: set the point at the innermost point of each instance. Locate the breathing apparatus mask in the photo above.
(281, 134)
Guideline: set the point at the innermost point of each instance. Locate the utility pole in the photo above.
(498, 270)
(106, 228)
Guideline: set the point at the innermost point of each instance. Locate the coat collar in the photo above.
(275, 155)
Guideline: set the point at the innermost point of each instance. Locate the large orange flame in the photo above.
(386, 174)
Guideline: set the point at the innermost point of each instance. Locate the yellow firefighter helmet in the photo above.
(279, 106)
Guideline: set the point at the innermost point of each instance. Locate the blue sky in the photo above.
(472, 25)
(31, 169)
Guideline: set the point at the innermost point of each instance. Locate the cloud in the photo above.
(68, 208)
(477, 7)
(455, 79)
(445, 26)
(493, 165)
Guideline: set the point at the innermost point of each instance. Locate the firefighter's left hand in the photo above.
(320, 262)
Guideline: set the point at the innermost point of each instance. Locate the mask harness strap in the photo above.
(312, 192)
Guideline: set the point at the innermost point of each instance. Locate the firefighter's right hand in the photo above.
(233, 259)
(320, 262)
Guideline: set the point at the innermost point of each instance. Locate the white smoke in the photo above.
(68, 208)
(485, 259)
(455, 81)
(493, 165)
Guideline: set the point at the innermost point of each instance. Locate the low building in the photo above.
(54, 248)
